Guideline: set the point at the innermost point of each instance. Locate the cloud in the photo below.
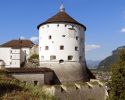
(34, 39)
(123, 30)
(22, 37)
(90, 47)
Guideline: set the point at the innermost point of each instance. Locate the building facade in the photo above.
(14, 53)
(62, 48)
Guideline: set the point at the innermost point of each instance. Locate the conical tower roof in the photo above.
(61, 16)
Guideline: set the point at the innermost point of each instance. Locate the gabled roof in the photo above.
(18, 44)
(61, 16)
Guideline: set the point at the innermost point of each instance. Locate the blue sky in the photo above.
(104, 19)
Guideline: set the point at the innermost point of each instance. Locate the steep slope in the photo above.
(92, 64)
(12, 89)
(108, 61)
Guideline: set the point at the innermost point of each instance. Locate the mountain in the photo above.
(108, 61)
(92, 64)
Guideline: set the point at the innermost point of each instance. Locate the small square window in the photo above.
(47, 25)
(76, 48)
(42, 57)
(61, 47)
(50, 37)
(80, 58)
(35, 83)
(70, 57)
(52, 57)
(46, 48)
(77, 38)
(10, 51)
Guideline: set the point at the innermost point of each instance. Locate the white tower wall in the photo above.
(52, 36)
(69, 63)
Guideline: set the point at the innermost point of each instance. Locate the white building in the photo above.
(61, 47)
(14, 53)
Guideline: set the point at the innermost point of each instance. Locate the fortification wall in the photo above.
(79, 91)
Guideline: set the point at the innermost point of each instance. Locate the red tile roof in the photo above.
(61, 17)
(18, 43)
(28, 70)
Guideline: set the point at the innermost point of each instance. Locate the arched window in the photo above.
(61, 61)
(35, 83)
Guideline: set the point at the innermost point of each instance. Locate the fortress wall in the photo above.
(81, 91)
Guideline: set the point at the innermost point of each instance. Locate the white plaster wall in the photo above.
(11, 57)
(15, 59)
(30, 78)
(69, 42)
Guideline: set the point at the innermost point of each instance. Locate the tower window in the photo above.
(46, 48)
(70, 57)
(52, 57)
(10, 51)
(80, 58)
(50, 37)
(42, 57)
(57, 25)
(76, 48)
(65, 25)
(61, 61)
(81, 39)
(61, 47)
(10, 63)
(77, 38)
(63, 35)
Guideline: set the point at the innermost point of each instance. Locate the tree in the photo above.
(118, 78)
(34, 59)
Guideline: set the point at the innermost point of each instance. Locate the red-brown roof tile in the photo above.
(18, 43)
(61, 17)
(28, 70)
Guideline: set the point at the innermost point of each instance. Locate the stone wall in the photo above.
(34, 78)
(79, 91)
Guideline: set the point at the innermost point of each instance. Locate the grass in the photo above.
(13, 89)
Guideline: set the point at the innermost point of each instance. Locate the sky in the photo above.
(104, 19)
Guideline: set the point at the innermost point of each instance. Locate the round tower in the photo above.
(61, 47)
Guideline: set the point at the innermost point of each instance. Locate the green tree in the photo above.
(34, 59)
(118, 78)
